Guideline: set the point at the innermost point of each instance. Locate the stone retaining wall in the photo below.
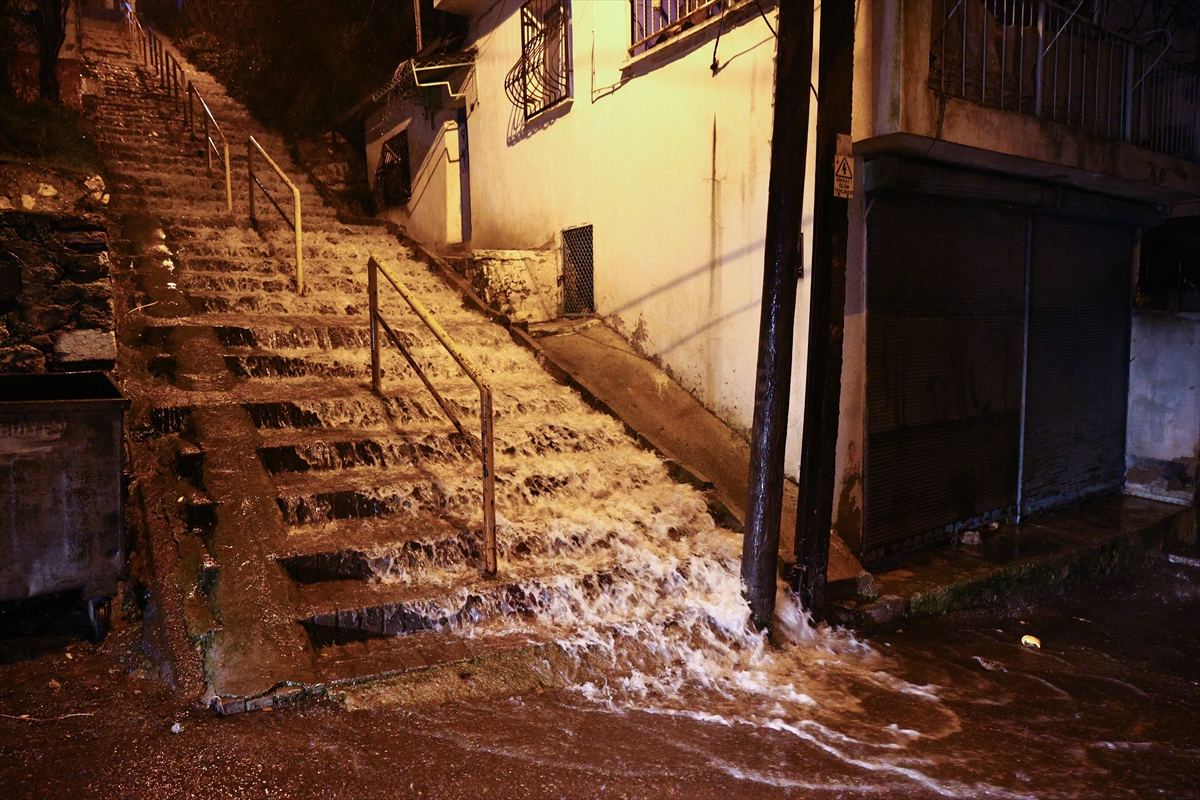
(56, 310)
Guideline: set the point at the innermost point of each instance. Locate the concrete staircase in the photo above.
(312, 533)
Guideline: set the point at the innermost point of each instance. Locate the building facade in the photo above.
(1009, 156)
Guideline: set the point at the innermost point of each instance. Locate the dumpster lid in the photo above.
(57, 387)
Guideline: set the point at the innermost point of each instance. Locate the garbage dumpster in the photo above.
(61, 526)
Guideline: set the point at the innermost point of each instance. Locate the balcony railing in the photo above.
(1039, 58)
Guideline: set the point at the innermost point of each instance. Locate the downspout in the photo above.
(783, 265)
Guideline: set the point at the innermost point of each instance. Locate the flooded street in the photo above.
(949, 707)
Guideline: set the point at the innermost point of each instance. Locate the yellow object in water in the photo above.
(1031, 641)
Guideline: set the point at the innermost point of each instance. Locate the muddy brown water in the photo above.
(1108, 707)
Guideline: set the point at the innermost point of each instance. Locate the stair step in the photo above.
(357, 549)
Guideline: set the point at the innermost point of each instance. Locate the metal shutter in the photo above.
(945, 300)
(1078, 380)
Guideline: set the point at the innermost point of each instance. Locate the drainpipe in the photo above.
(782, 268)
(827, 306)
(417, 22)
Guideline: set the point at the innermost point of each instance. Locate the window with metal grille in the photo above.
(393, 181)
(579, 295)
(656, 21)
(542, 76)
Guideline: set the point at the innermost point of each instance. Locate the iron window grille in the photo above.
(656, 21)
(579, 293)
(541, 78)
(393, 179)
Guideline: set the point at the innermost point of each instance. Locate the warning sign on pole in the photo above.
(843, 168)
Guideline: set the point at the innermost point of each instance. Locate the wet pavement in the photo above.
(1109, 706)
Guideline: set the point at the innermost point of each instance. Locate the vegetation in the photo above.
(298, 65)
(45, 132)
(42, 23)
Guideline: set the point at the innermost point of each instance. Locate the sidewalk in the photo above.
(1089, 541)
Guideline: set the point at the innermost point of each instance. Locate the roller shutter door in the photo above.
(1078, 380)
(946, 297)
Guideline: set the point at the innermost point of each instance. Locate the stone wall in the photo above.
(56, 309)
(522, 284)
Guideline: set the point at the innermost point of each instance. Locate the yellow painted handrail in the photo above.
(251, 146)
(486, 447)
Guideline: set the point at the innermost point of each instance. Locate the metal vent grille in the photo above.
(579, 295)
(393, 181)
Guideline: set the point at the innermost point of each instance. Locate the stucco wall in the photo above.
(670, 164)
(1164, 404)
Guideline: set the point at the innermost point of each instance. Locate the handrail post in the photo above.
(299, 245)
(228, 181)
(486, 425)
(191, 111)
(207, 147)
(250, 172)
(373, 304)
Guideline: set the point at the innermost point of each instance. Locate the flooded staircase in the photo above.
(316, 534)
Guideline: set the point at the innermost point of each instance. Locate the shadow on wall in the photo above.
(698, 272)
(520, 128)
(433, 213)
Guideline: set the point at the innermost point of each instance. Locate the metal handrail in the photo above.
(210, 124)
(485, 448)
(251, 146)
(171, 74)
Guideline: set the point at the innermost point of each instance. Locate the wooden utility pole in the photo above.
(782, 268)
(834, 184)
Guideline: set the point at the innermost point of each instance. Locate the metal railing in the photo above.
(1039, 58)
(655, 21)
(210, 145)
(173, 79)
(294, 223)
(485, 447)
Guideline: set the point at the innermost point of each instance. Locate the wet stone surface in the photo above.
(1108, 707)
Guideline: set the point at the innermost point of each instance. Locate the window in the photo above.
(393, 181)
(542, 77)
(656, 21)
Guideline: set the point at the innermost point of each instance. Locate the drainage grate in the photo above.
(578, 285)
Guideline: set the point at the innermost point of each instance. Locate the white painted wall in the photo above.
(434, 212)
(1164, 376)
(670, 166)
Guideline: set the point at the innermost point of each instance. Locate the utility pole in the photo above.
(834, 184)
(782, 268)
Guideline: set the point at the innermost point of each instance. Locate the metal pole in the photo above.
(250, 172)
(1024, 366)
(417, 23)
(373, 303)
(228, 182)
(1041, 59)
(299, 245)
(827, 306)
(207, 146)
(782, 268)
(486, 420)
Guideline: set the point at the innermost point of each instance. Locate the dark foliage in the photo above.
(46, 132)
(299, 65)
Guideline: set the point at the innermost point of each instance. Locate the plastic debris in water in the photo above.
(1031, 641)
(990, 666)
(971, 537)
(176, 729)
